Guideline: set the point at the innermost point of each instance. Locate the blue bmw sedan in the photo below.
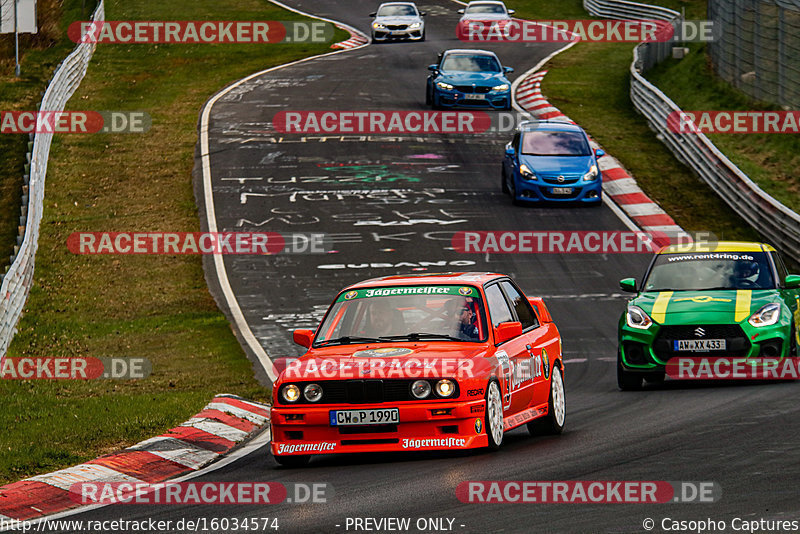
(551, 161)
(469, 79)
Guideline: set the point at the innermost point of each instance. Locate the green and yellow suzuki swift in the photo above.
(729, 299)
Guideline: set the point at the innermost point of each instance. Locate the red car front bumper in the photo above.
(306, 429)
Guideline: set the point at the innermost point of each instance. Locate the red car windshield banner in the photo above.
(464, 291)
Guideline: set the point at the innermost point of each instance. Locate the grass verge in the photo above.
(39, 55)
(590, 83)
(156, 307)
(770, 160)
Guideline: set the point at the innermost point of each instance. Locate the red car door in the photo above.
(513, 355)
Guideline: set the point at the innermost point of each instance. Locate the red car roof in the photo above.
(471, 278)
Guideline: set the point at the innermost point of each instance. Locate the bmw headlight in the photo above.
(445, 388)
(378, 26)
(443, 85)
(502, 87)
(766, 316)
(591, 175)
(638, 318)
(421, 389)
(526, 172)
(290, 393)
(312, 392)
(415, 25)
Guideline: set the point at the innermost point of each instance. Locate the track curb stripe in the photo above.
(618, 184)
(224, 423)
(141, 465)
(177, 451)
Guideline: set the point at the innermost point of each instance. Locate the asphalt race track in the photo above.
(743, 437)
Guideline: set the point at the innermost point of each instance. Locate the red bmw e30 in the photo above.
(431, 362)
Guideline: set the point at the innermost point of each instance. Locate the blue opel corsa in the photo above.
(551, 161)
(468, 79)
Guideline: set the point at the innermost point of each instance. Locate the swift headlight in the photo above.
(502, 87)
(766, 316)
(591, 175)
(421, 389)
(445, 388)
(312, 392)
(526, 172)
(638, 318)
(445, 86)
(290, 393)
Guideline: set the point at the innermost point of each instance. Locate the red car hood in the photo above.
(395, 360)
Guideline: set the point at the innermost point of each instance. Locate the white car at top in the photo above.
(398, 20)
(485, 11)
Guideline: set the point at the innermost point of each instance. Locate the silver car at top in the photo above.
(398, 20)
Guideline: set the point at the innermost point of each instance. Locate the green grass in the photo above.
(771, 160)
(39, 55)
(590, 83)
(156, 307)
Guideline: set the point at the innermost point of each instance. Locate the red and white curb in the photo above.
(355, 40)
(618, 184)
(223, 424)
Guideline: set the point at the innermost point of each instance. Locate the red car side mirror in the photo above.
(505, 331)
(303, 337)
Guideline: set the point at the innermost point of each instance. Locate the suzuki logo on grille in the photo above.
(560, 179)
(699, 332)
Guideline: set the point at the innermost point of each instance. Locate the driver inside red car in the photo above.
(383, 319)
(464, 318)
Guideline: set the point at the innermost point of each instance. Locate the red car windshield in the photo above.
(429, 313)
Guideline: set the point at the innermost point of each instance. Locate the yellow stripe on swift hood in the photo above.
(660, 306)
(742, 305)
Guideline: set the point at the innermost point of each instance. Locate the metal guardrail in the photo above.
(19, 278)
(776, 222)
